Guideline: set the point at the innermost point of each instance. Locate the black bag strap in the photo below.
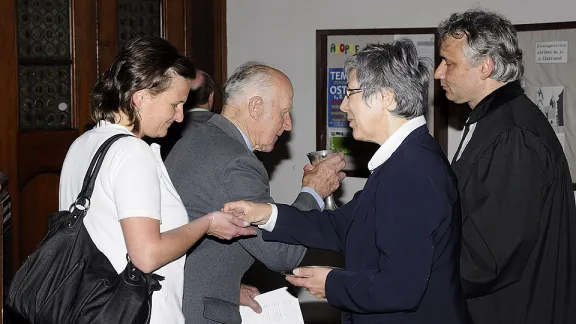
(83, 199)
(132, 275)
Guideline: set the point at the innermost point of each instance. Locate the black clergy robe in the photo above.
(518, 259)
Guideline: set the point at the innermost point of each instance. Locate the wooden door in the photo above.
(53, 51)
(48, 69)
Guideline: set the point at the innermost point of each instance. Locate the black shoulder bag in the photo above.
(68, 280)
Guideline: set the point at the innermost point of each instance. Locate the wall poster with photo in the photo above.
(549, 78)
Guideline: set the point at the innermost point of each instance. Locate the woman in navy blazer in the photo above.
(401, 233)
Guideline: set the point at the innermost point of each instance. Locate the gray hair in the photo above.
(249, 74)
(488, 34)
(396, 67)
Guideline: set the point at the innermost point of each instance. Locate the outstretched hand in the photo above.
(255, 213)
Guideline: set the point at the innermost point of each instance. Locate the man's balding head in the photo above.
(258, 99)
(253, 78)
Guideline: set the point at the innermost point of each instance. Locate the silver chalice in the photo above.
(314, 158)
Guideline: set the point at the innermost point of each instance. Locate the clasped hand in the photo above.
(226, 226)
(255, 213)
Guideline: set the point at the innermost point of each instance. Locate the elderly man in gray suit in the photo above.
(214, 164)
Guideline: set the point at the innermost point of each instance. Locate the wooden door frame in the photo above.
(208, 16)
(84, 59)
(8, 116)
(174, 23)
(107, 34)
(220, 48)
(8, 113)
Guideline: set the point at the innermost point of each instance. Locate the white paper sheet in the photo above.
(278, 307)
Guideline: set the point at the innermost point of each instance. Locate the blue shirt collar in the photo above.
(246, 139)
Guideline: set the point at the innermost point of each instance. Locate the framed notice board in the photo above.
(549, 79)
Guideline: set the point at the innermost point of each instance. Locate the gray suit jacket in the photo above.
(209, 166)
(197, 116)
(176, 131)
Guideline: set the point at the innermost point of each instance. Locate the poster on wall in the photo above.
(548, 80)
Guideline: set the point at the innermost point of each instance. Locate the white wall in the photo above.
(283, 34)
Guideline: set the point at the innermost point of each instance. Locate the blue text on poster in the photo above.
(336, 90)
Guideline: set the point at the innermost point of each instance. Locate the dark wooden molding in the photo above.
(9, 115)
(546, 26)
(321, 81)
(206, 34)
(173, 23)
(188, 23)
(376, 31)
(107, 33)
(220, 49)
(84, 58)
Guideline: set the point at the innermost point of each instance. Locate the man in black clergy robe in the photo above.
(518, 259)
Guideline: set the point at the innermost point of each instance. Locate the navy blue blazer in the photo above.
(401, 240)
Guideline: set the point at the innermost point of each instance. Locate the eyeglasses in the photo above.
(350, 92)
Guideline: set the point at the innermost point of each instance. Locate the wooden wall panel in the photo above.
(107, 35)
(173, 23)
(207, 38)
(43, 192)
(84, 59)
(38, 154)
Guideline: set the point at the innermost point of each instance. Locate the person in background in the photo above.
(199, 106)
